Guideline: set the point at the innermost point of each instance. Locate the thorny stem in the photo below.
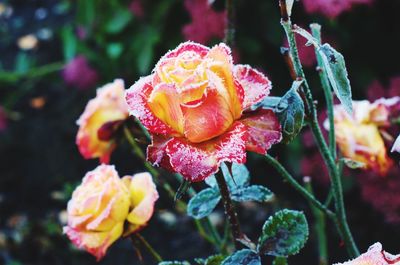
(341, 221)
(316, 32)
(147, 246)
(319, 226)
(214, 240)
(229, 209)
(230, 23)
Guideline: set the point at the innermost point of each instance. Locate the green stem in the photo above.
(229, 209)
(342, 224)
(149, 248)
(171, 193)
(230, 22)
(12, 77)
(290, 179)
(320, 227)
(316, 32)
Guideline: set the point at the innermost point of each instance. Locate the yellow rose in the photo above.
(101, 205)
(101, 118)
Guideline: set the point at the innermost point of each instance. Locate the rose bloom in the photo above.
(100, 120)
(101, 205)
(374, 256)
(197, 106)
(396, 146)
(359, 136)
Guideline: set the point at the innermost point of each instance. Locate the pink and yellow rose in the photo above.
(374, 256)
(359, 136)
(104, 207)
(197, 106)
(100, 120)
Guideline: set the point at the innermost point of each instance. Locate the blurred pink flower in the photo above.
(3, 120)
(206, 23)
(377, 90)
(79, 73)
(136, 7)
(331, 8)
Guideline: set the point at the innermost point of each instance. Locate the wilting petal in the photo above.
(198, 161)
(164, 103)
(137, 99)
(256, 86)
(208, 120)
(374, 256)
(396, 145)
(143, 194)
(263, 129)
(96, 243)
(222, 66)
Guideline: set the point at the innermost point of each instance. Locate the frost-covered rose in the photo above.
(374, 256)
(196, 104)
(103, 203)
(359, 135)
(100, 120)
(396, 146)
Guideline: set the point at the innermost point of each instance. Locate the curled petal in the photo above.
(198, 161)
(187, 47)
(164, 103)
(96, 243)
(263, 129)
(137, 99)
(208, 120)
(396, 145)
(222, 66)
(143, 194)
(256, 86)
(374, 256)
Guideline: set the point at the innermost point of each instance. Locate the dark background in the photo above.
(40, 164)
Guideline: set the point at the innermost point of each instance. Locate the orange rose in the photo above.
(374, 256)
(359, 136)
(103, 203)
(102, 117)
(197, 106)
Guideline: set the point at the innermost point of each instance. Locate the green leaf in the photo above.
(335, 68)
(69, 43)
(119, 21)
(280, 261)
(240, 176)
(114, 50)
(290, 111)
(267, 103)
(252, 193)
(174, 263)
(203, 203)
(352, 163)
(212, 260)
(283, 234)
(243, 257)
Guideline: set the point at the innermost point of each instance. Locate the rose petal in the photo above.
(136, 98)
(222, 66)
(396, 145)
(208, 120)
(256, 86)
(263, 129)
(198, 161)
(143, 194)
(96, 243)
(188, 46)
(164, 104)
(374, 256)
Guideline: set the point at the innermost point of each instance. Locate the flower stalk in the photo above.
(136, 237)
(229, 209)
(341, 223)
